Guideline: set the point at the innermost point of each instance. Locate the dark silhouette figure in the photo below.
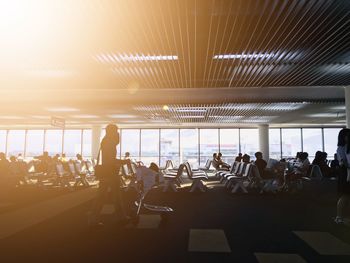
(109, 180)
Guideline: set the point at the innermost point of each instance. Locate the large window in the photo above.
(169, 146)
(229, 144)
(72, 142)
(249, 141)
(130, 142)
(53, 141)
(330, 141)
(15, 142)
(312, 141)
(208, 144)
(150, 146)
(291, 142)
(3, 140)
(35, 143)
(275, 143)
(189, 146)
(87, 143)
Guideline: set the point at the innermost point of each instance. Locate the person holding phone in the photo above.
(110, 178)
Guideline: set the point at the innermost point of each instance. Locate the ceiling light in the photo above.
(242, 55)
(85, 116)
(62, 109)
(10, 117)
(121, 116)
(114, 58)
(166, 107)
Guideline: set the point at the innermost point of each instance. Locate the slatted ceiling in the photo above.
(218, 113)
(276, 43)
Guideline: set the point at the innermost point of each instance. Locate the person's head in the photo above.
(154, 167)
(214, 155)
(112, 131)
(13, 158)
(79, 157)
(303, 156)
(219, 155)
(343, 137)
(2, 156)
(318, 155)
(240, 155)
(324, 156)
(63, 155)
(127, 154)
(335, 156)
(298, 155)
(258, 155)
(46, 154)
(246, 158)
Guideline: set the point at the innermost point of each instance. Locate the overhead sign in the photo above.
(58, 122)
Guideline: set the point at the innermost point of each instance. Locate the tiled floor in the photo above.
(208, 240)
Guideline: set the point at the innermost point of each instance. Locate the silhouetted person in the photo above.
(4, 166)
(215, 161)
(321, 161)
(260, 163)
(222, 164)
(111, 167)
(45, 162)
(335, 162)
(343, 154)
(246, 158)
(239, 158)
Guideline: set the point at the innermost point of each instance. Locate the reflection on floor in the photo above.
(215, 226)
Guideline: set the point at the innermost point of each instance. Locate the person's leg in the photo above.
(343, 202)
(98, 202)
(117, 198)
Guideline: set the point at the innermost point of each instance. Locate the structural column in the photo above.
(264, 140)
(95, 140)
(347, 105)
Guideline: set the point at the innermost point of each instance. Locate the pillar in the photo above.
(95, 140)
(264, 140)
(347, 105)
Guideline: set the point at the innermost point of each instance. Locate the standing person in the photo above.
(343, 154)
(110, 178)
(260, 163)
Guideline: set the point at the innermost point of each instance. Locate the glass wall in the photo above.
(189, 146)
(34, 143)
(150, 146)
(291, 142)
(229, 144)
(3, 137)
(275, 143)
(208, 144)
(72, 142)
(87, 136)
(169, 146)
(16, 142)
(130, 142)
(249, 141)
(330, 141)
(312, 141)
(178, 145)
(53, 141)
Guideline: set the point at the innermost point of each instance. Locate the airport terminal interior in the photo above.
(174, 131)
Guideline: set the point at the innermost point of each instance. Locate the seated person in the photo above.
(299, 170)
(260, 163)
(238, 158)
(149, 176)
(4, 166)
(321, 161)
(45, 163)
(215, 161)
(246, 158)
(222, 164)
(18, 171)
(335, 162)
